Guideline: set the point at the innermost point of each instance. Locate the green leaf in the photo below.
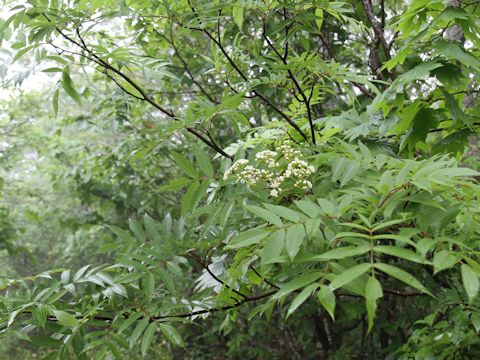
(237, 14)
(152, 228)
(443, 260)
(203, 161)
(319, 18)
(327, 298)
(400, 252)
(39, 315)
(167, 280)
(294, 239)
(67, 85)
(341, 253)
(65, 318)
(373, 292)
(148, 286)
(284, 212)
(188, 202)
(137, 229)
(470, 281)
(171, 334)
(175, 185)
(55, 101)
(264, 214)
(148, 337)
(403, 276)
(273, 246)
(119, 290)
(141, 325)
(349, 275)
(300, 299)
(131, 319)
(247, 238)
(297, 283)
(184, 164)
(308, 207)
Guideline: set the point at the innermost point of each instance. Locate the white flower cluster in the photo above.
(276, 174)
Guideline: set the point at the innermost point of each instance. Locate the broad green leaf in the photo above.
(470, 281)
(373, 292)
(308, 207)
(403, 276)
(327, 298)
(264, 214)
(443, 260)
(273, 246)
(294, 239)
(349, 275)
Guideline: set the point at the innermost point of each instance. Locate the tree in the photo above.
(317, 150)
